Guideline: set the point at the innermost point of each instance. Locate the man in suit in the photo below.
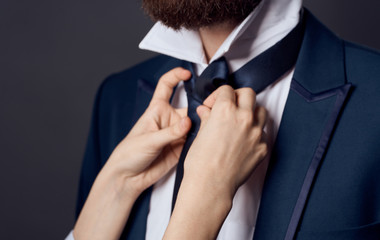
(321, 176)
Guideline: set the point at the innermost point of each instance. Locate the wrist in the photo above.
(106, 209)
(210, 182)
(210, 194)
(199, 208)
(123, 186)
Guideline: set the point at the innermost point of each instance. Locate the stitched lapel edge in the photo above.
(341, 96)
(319, 74)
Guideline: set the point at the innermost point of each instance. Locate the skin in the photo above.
(148, 152)
(210, 188)
(152, 149)
(213, 36)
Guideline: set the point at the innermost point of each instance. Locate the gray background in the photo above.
(53, 56)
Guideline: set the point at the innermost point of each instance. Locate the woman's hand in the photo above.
(149, 151)
(230, 143)
(228, 147)
(154, 144)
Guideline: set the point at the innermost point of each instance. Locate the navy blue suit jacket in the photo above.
(323, 179)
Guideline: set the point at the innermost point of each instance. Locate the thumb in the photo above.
(169, 134)
(203, 113)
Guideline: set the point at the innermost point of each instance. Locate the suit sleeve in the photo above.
(92, 163)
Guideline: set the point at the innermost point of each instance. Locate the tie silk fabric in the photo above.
(257, 74)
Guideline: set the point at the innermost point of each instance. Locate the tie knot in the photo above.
(214, 76)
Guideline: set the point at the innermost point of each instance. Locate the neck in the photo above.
(213, 37)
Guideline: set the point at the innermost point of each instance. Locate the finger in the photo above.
(182, 112)
(172, 133)
(223, 93)
(264, 137)
(261, 151)
(168, 81)
(203, 113)
(161, 166)
(246, 98)
(260, 116)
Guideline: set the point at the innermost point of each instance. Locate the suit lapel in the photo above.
(146, 86)
(136, 225)
(317, 95)
(316, 98)
(145, 90)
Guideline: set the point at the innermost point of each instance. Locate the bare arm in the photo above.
(153, 147)
(226, 150)
(149, 151)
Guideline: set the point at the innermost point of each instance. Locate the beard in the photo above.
(195, 14)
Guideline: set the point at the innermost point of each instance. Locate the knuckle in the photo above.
(176, 72)
(226, 103)
(257, 134)
(246, 117)
(261, 113)
(227, 107)
(174, 131)
(168, 76)
(225, 88)
(156, 107)
(263, 149)
(253, 93)
(164, 80)
(246, 91)
(165, 76)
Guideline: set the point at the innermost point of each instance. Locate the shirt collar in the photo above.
(268, 23)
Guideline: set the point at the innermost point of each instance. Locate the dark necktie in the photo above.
(257, 74)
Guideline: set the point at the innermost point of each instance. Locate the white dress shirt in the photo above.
(271, 21)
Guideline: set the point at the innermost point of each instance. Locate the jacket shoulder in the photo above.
(117, 104)
(362, 64)
(150, 71)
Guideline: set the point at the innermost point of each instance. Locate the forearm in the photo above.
(199, 212)
(148, 153)
(106, 210)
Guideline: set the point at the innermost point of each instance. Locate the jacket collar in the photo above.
(316, 98)
(320, 48)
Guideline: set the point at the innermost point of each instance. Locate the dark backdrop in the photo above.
(53, 56)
